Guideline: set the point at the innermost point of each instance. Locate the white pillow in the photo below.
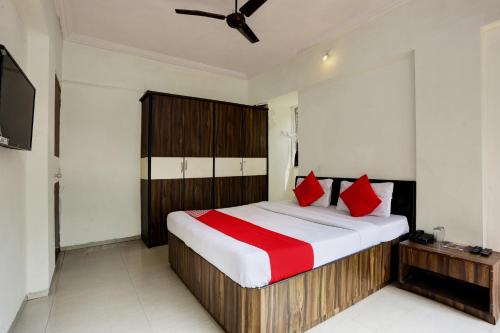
(326, 185)
(382, 190)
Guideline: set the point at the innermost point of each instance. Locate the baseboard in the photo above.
(37, 294)
(18, 315)
(104, 242)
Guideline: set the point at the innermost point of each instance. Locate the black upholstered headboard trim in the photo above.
(404, 196)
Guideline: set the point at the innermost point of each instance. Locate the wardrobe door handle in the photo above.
(185, 165)
(182, 166)
(241, 166)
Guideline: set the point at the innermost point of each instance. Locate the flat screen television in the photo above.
(17, 103)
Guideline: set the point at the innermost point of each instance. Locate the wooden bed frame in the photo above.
(300, 302)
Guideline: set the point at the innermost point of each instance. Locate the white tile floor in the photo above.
(128, 288)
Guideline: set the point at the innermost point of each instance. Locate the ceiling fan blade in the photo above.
(200, 13)
(251, 6)
(248, 33)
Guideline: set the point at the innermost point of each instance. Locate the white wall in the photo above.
(353, 125)
(282, 172)
(29, 29)
(491, 134)
(12, 193)
(445, 38)
(100, 135)
(44, 41)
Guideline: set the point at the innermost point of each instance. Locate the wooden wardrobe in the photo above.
(199, 154)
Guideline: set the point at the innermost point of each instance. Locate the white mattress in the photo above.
(331, 233)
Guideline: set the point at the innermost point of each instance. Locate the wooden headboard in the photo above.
(404, 196)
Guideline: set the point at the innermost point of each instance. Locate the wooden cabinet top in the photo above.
(156, 93)
(492, 260)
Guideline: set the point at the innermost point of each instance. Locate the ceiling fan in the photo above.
(235, 20)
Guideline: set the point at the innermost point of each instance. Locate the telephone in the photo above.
(421, 237)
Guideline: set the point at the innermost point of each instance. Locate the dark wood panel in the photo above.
(228, 191)
(145, 118)
(198, 128)
(435, 248)
(255, 189)
(180, 126)
(228, 126)
(158, 93)
(57, 228)
(456, 278)
(145, 210)
(255, 132)
(57, 118)
(198, 193)
(166, 197)
(167, 127)
(472, 299)
(495, 292)
(453, 267)
(292, 305)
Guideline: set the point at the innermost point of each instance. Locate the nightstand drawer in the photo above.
(471, 272)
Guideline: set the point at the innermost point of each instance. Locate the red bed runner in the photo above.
(287, 256)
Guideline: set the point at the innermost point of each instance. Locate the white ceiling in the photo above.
(151, 28)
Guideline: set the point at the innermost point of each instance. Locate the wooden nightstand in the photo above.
(467, 282)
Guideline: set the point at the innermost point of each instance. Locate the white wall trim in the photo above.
(66, 19)
(100, 243)
(491, 26)
(151, 55)
(38, 294)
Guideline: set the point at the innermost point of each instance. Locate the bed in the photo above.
(353, 257)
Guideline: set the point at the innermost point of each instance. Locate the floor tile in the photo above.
(128, 288)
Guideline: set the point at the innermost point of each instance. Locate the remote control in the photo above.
(476, 250)
(486, 252)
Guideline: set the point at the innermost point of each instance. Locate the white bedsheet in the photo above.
(373, 229)
(332, 234)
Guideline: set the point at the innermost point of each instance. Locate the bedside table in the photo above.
(467, 282)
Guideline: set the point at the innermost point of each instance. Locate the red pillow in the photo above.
(360, 197)
(309, 190)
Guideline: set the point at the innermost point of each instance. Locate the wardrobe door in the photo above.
(254, 189)
(228, 191)
(198, 193)
(198, 128)
(228, 123)
(199, 154)
(166, 161)
(255, 132)
(166, 197)
(167, 130)
(228, 155)
(255, 151)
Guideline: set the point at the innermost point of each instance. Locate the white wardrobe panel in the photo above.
(198, 167)
(228, 166)
(166, 167)
(254, 166)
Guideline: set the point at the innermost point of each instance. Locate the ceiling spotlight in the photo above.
(326, 56)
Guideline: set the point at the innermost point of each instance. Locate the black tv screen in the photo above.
(17, 102)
